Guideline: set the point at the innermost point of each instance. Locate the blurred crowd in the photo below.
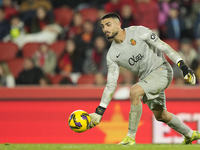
(82, 55)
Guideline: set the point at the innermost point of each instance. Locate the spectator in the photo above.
(197, 32)
(76, 26)
(4, 25)
(71, 60)
(66, 3)
(175, 25)
(187, 52)
(127, 18)
(97, 25)
(66, 81)
(30, 74)
(44, 81)
(112, 6)
(98, 3)
(49, 33)
(99, 79)
(45, 59)
(163, 15)
(6, 78)
(95, 60)
(9, 9)
(41, 20)
(28, 5)
(28, 9)
(116, 6)
(147, 14)
(195, 6)
(17, 30)
(195, 11)
(185, 7)
(188, 16)
(86, 38)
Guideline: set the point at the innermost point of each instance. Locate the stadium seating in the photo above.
(29, 49)
(89, 14)
(63, 16)
(58, 47)
(16, 66)
(86, 79)
(55, 79)
(8, 51)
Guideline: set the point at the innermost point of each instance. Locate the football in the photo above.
(79, 121)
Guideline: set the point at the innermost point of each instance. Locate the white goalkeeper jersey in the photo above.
(140, 53)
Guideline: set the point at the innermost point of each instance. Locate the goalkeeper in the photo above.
(139, 50)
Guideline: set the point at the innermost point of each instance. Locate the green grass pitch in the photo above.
(98, 147)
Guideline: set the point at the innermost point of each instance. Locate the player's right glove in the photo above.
(97, 116)
(187, 72)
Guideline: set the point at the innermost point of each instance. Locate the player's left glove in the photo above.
(97, 116)
(187, 72)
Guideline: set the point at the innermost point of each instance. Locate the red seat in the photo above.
(86, 79)
(29, 49)
(63, 16)
(8, 51)
(55, 79)
(89, 14)
(16, 66)
(58, 47)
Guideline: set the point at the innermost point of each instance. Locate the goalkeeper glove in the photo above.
(187, 72)
(96, 117)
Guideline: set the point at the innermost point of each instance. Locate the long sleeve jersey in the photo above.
(140, 53)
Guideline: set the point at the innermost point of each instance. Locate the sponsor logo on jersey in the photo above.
(133, 42)
(134, 59)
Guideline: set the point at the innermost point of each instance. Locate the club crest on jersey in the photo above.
(133, 42)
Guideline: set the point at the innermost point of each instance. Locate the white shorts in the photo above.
(155, 84)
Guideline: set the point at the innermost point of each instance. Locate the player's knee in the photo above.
(135, 92)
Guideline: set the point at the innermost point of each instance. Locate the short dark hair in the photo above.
(111, 15)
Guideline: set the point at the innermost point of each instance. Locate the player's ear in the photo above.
(119, 24)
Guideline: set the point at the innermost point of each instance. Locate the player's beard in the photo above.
(112, 36)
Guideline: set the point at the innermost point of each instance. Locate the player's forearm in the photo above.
(107, 96)
(164, 47)
(171, 53)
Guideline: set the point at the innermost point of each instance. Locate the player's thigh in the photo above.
(155, 83)
(160, 101)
